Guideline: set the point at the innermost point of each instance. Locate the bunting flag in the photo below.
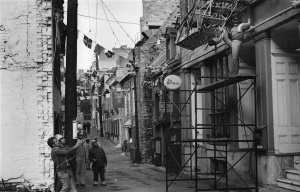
(109, 54)
(98, 49)
(120, 60)
(87, 42)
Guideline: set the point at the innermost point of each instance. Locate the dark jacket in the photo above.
(59, 156)
(97, 155)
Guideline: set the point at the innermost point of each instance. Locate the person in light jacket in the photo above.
(59, 154)
(98, 157)
(81, 159)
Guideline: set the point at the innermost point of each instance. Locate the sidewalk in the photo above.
(123, 175)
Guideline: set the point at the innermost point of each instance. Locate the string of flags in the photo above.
(87, 41)
(98, 48)
(109, 54)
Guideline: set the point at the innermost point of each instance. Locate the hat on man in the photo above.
(58, 137)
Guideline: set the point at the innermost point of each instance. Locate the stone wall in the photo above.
(26, 96)
(156, 11)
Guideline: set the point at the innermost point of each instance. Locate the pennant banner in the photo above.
(120, 60)
(87, 42)
(109, 54)
(98, 49)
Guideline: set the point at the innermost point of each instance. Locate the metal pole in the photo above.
(71, 68)
(136, 111)
(100, 113)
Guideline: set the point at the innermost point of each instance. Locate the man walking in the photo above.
(98, 157)
(59, 155)
(81, 159)
(88, 127)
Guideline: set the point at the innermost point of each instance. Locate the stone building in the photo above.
(269, 58)
(31, 51)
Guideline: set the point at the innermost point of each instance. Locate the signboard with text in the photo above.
(118, 99)
(163, 107)
(172, 82)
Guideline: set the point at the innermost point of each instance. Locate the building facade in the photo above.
(32, 48)
(269, 54)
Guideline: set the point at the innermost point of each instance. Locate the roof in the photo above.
(125, 77)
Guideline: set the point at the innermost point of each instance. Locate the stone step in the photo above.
(290, 184)
(293, 174)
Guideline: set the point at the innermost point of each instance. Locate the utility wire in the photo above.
(116, 20)
(96, 21)
(89, 18)
(108, 20)
(112, 29)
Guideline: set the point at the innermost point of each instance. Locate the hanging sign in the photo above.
(172, 82)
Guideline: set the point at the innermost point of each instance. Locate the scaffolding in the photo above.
(212, 139)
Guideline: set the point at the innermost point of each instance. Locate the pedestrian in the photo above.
(84, 127)
(59, 154)
(88, 162)
(98, 157)
(81, 159)
(88, 127)
(79, 126)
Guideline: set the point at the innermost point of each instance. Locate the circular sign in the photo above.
(172, 82)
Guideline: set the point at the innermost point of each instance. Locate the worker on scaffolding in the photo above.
(234, 39)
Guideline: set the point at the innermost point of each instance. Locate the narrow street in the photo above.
(123, 175)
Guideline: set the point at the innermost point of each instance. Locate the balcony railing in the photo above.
(201, 23)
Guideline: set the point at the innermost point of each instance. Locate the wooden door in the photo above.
(286, 102)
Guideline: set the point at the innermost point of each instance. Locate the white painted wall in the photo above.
(26, 98)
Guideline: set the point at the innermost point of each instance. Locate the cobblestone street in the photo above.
(123, 175)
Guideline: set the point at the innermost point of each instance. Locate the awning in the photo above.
(127, 124)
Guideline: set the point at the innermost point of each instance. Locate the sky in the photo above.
(107, 34)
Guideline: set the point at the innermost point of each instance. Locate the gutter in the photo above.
(294, 6)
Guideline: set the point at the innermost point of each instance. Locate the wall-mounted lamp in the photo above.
(158, 42)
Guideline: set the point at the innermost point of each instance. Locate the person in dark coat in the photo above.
(98, 157)
(84, 127)
(88, 127)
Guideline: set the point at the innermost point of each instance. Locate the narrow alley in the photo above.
(203, 94)
(123, 175)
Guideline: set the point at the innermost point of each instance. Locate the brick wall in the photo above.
(26, 98)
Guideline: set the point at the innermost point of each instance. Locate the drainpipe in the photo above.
(136, 110)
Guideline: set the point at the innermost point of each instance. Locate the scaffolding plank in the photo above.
(228, 81)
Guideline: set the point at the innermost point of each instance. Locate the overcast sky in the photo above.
(101, 31)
